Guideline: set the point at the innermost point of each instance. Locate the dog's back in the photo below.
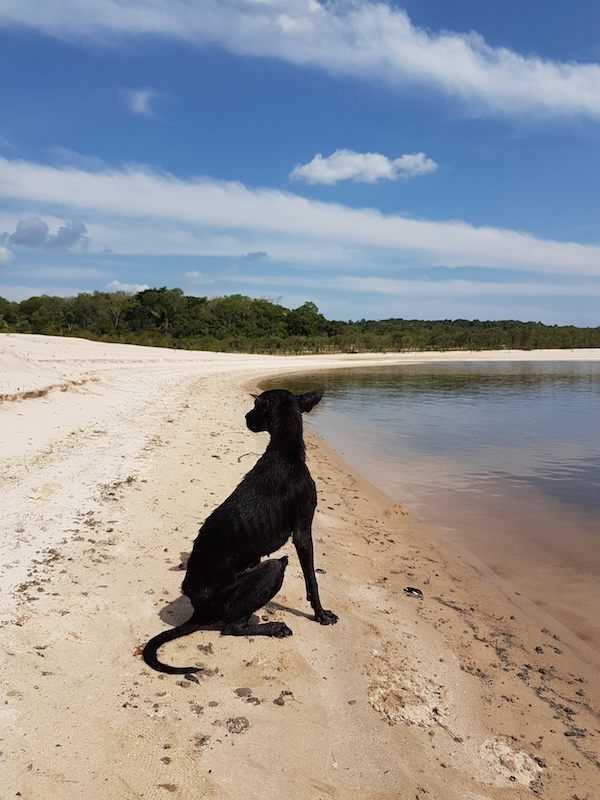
(254, 521)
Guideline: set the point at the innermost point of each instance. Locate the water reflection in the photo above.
(518, 424)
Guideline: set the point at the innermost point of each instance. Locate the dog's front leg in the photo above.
(304, 547)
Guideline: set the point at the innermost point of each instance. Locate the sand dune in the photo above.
(108, 470)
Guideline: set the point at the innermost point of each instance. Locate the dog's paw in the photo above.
(326, 617)
(281, 630)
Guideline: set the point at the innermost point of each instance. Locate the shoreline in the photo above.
(448, 697)
(429, 533)
(506, 584)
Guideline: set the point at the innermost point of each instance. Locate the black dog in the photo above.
(225, 579)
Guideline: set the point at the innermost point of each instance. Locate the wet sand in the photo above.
(471, 693)
(556, 565)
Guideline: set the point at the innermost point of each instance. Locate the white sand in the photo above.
(105, 479)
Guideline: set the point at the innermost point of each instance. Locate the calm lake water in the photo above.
(502, 458)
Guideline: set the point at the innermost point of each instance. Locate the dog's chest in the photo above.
(271, 540)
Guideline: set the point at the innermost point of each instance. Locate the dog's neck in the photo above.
(287, 438)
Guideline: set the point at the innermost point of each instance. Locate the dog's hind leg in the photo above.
(250, 592)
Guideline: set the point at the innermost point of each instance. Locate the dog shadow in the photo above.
(275, 606)
(177, 611)
(180, 610)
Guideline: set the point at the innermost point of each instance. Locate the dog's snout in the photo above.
(252, 422)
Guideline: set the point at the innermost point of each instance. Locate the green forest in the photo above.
(168, 318)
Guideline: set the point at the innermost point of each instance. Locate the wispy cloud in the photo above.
(347, 165)
(62, 273)
(140, 101)
(209, 204)
(73, 158)
(169, 236)
(366, 39)
(369, 284)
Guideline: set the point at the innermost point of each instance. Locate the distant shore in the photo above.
(109, 466)
(237, 323)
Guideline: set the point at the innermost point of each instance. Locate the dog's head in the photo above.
(275, 405)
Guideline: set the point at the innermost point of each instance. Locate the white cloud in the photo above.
(5, 256)
(31, 232)
(160, 237)
(141, 194)
(34, 231)
(198, 277)
(424, 289)
(361, 39)
(139, 101)
(71, 233)
(129, 288)
(10, 220)
(347, 165)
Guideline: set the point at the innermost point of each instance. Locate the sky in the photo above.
(417, 159)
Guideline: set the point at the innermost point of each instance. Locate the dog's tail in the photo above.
(149, 653)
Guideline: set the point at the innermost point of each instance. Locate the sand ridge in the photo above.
(465, 694)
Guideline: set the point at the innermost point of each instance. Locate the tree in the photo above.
(119, 303)
(8, 312)
(306, 321)
(45, 313)
(166, 317)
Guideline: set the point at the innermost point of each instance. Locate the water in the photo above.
(502, 458)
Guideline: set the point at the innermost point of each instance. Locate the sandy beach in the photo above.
(112, 455)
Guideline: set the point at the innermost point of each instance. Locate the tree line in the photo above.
(236, 323)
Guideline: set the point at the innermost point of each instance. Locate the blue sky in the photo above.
(419, 159)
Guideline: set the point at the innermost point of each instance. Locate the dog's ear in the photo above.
(308, 400)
